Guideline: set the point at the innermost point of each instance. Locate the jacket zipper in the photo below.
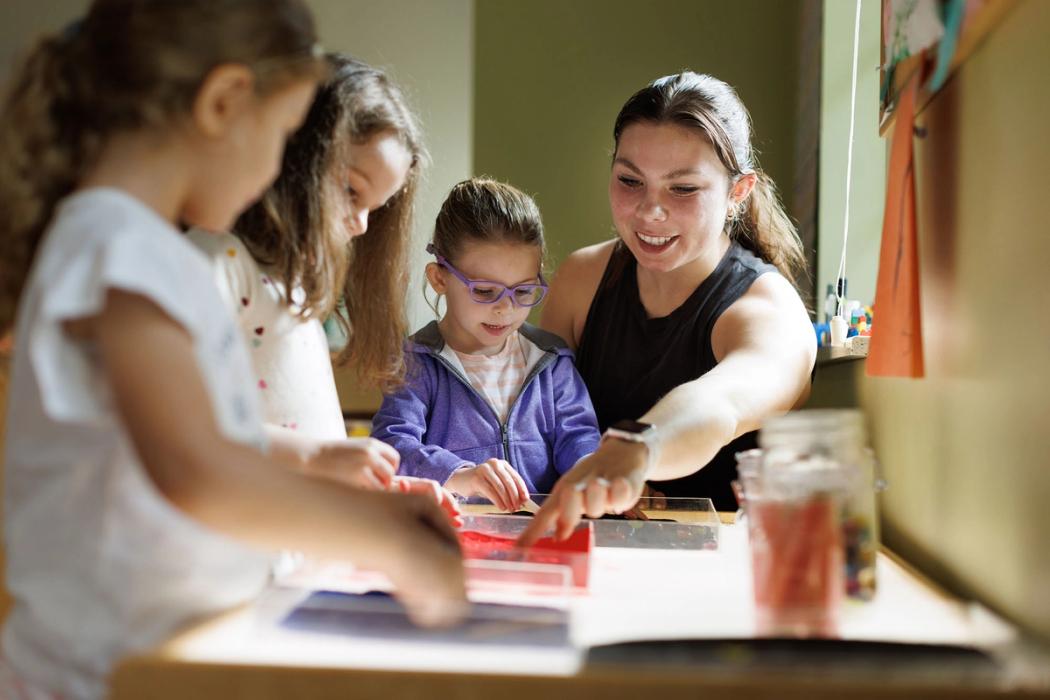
(542, 364)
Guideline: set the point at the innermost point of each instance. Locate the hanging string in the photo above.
(849, 167)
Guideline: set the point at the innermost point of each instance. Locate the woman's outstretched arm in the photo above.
(765, 347)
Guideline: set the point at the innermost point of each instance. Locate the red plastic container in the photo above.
(573, 552)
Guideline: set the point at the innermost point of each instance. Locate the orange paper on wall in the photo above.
(896, 339)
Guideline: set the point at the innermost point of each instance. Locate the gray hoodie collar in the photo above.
(429, 339)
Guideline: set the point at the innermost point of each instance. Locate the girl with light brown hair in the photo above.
(140, 492)
(328, 240)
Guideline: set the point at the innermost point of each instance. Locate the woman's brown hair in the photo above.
(712, 107)
(291, 231)
(128, 64)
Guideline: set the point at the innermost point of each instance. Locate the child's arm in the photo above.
(402, 422)
(359, 462)
(577, 433)
(364, 463)
(157, 386)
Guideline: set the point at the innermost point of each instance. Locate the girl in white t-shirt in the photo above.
(300, 252)
(138, 494)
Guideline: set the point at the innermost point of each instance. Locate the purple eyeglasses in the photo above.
(488, 292)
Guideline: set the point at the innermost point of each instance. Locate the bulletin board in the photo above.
(930, 39)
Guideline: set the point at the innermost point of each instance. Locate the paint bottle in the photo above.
(839, 329)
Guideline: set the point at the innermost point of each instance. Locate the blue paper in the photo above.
(379, 616)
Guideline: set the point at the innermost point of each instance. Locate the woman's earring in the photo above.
(734, 213)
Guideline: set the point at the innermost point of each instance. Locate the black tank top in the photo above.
(630, 361)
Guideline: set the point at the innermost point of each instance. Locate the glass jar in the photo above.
(831, 444)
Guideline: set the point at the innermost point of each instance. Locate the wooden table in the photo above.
(634, 594)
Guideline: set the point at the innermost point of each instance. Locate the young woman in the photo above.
(688, 324)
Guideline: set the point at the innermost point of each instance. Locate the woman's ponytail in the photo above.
(765, 229)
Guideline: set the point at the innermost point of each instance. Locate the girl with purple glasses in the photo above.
(491, 406)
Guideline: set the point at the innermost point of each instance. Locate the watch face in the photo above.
(632, 426)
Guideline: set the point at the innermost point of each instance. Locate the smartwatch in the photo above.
(635, 431)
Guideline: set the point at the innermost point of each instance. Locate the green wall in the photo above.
(869, 152)
(550, 77)
(965, 448)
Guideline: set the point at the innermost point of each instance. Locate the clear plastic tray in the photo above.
(654, 523)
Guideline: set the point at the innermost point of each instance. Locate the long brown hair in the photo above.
(712, 107)
(128, 64)
(290, 231)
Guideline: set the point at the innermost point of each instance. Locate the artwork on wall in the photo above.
(896, 343)
(929, 40)
(923, 42)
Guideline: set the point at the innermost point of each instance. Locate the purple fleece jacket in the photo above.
(438, 422)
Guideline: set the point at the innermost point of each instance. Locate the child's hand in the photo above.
(494, 479)
(411, 541)
(432, 489)
(364, 463)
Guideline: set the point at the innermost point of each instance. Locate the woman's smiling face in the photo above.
(669, 194)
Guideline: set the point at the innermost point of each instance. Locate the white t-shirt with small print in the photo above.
(293, 367)
(99, 563)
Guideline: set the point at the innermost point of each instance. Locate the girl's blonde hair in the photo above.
(712, 107)
(290, 229)
(128, 64)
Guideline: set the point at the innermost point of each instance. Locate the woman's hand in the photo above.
(608, 481)
(494, 479)
(364, 463)
(433, 490)
(413, 543)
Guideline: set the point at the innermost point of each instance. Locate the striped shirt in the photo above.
(498, 377)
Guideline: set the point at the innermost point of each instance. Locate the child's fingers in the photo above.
(433, 490)
(383, 459)
(370, 480)
(430, 545)
(387, 453)
(492, 492)
(489, 485)
(382, 474)
(490, 473)
(446, 500)
(504, 472)
(519, 484)
(449, 504)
